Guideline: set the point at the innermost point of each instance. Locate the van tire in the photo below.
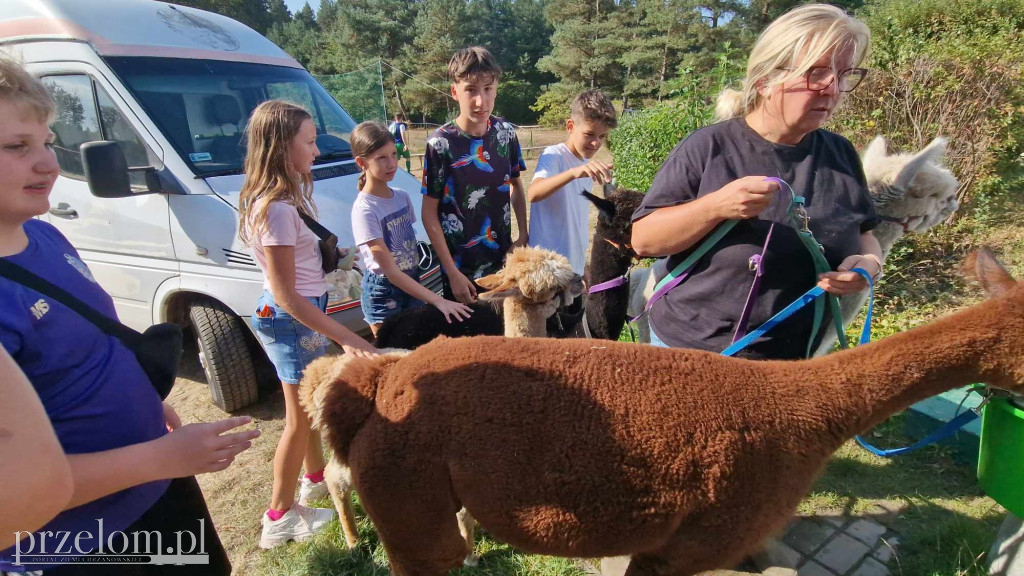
(226, 354)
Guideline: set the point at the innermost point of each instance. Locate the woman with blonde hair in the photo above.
(797, 74)
(290, 317)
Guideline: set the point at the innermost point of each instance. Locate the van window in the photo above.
(86, 113)
(202, 106)
(76, 122)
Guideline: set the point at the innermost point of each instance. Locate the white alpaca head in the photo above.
(913, 191)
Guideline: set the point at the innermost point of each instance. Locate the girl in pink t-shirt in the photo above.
(290, 317)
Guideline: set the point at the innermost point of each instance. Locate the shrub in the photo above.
(949, 67)
(644, 138)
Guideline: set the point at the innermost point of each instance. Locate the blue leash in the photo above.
(948, 429)
(808, 297)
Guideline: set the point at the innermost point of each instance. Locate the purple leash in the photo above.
(613, 283)
(757, 265)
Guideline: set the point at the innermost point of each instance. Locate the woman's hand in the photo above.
(844, 281)
(452, 310)
(745, 197)
(204, 447)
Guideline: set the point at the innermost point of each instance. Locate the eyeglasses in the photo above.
(821, 77)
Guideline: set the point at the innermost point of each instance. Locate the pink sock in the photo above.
(316, 477)
(275, 515)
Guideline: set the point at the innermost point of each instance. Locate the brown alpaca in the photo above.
(533, 283)
(684, 460)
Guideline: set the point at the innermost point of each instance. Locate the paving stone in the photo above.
(833, 517)
(842, 553)
(614, 566)
(812, 568)
(807, 536)
(884, 552)
(776, 553)
(871, 567)
(866, 531)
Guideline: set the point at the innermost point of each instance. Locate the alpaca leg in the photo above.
(467, 525)
(418, 527)
(339, 483)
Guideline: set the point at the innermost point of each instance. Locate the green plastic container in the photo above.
(1001, 458)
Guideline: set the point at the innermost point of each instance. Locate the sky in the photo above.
(296, 5)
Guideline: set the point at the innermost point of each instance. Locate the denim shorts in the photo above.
(381, 299)
(290, 344)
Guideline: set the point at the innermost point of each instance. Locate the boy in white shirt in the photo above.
(559, 214)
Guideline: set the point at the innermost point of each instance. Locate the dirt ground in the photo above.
(239, 495)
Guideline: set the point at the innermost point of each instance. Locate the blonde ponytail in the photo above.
(730, 104)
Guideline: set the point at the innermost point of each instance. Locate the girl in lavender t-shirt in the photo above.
(290, 317)
(382, 219)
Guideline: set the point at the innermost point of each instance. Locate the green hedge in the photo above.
(644, 138)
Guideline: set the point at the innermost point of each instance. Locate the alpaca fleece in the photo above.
(684, 460)
(413, 328)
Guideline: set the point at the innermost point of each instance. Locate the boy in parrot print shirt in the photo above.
(471, 180)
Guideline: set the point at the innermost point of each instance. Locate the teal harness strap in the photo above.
(799, 220)
(700, 251)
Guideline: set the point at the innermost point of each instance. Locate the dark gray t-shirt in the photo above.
(824, 168)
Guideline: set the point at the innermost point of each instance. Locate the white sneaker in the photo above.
(309, 490)
(298, 523)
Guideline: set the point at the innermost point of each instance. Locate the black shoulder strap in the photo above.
(28, 279)
(316, 227)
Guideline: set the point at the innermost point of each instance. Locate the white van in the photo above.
(173, 87)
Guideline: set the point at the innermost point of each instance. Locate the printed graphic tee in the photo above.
(387, 219)
(472, 179)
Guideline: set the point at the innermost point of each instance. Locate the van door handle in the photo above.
(64, 210)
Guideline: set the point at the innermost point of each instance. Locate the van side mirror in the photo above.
(106, 172)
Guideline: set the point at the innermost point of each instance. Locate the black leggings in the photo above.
(180, 508)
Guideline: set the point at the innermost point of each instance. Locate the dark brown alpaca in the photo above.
(610, 258)
(684, 460)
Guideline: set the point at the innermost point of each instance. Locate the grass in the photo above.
(946, 524)
(325, 555)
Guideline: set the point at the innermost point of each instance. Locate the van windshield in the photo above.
(202, 106)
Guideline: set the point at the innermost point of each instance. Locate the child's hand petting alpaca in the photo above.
(451, 310)
(596, 170)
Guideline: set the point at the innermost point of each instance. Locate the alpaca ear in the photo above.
(981, 265)
(497, 288)
(607, 207)
(917, 162)
(875, 152)
(935, 150)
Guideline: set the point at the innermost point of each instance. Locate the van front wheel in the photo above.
(225, 355)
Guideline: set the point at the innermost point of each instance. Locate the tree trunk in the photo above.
(664, 68)
(765, 9)
(401, 103)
